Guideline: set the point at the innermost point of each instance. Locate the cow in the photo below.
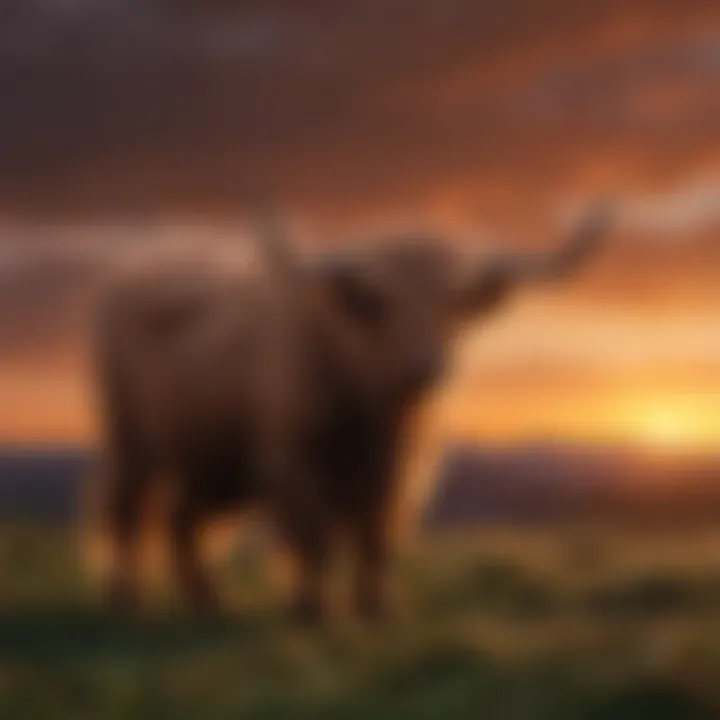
(288, 382)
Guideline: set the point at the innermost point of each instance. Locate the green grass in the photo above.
(508, 625)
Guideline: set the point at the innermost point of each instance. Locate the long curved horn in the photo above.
(582, 242)
(485, 285)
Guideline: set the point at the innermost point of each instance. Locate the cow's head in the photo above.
(395, 306)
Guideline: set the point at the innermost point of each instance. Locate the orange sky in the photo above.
(489, 118)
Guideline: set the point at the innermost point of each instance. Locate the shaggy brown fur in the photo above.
(286, 388)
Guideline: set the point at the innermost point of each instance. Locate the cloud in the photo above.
(119, 108)
(677, 214)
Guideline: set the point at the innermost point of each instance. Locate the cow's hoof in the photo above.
(207, 604)
(122, 600)
(308, 613)
(215, 617)
(374, 610)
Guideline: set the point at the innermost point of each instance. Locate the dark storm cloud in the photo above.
(117, 106)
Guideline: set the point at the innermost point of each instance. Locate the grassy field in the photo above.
(509, 624)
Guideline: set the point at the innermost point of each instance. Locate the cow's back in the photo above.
(195, 343)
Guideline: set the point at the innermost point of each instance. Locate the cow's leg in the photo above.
(371, 545)
(129, 479)
(308, 539)
(194, 581)
(304, 525)
(369, 524)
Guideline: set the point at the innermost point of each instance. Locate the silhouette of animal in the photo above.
(288, 382)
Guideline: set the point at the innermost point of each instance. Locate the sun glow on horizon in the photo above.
(654, 422)
(677, 426)
(665, 429)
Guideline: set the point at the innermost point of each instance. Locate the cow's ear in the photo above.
(355, 294)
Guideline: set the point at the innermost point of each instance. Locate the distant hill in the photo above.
(41, 484)
(553, 482)
(542, 482)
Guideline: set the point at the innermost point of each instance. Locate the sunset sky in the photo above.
(126, 121)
